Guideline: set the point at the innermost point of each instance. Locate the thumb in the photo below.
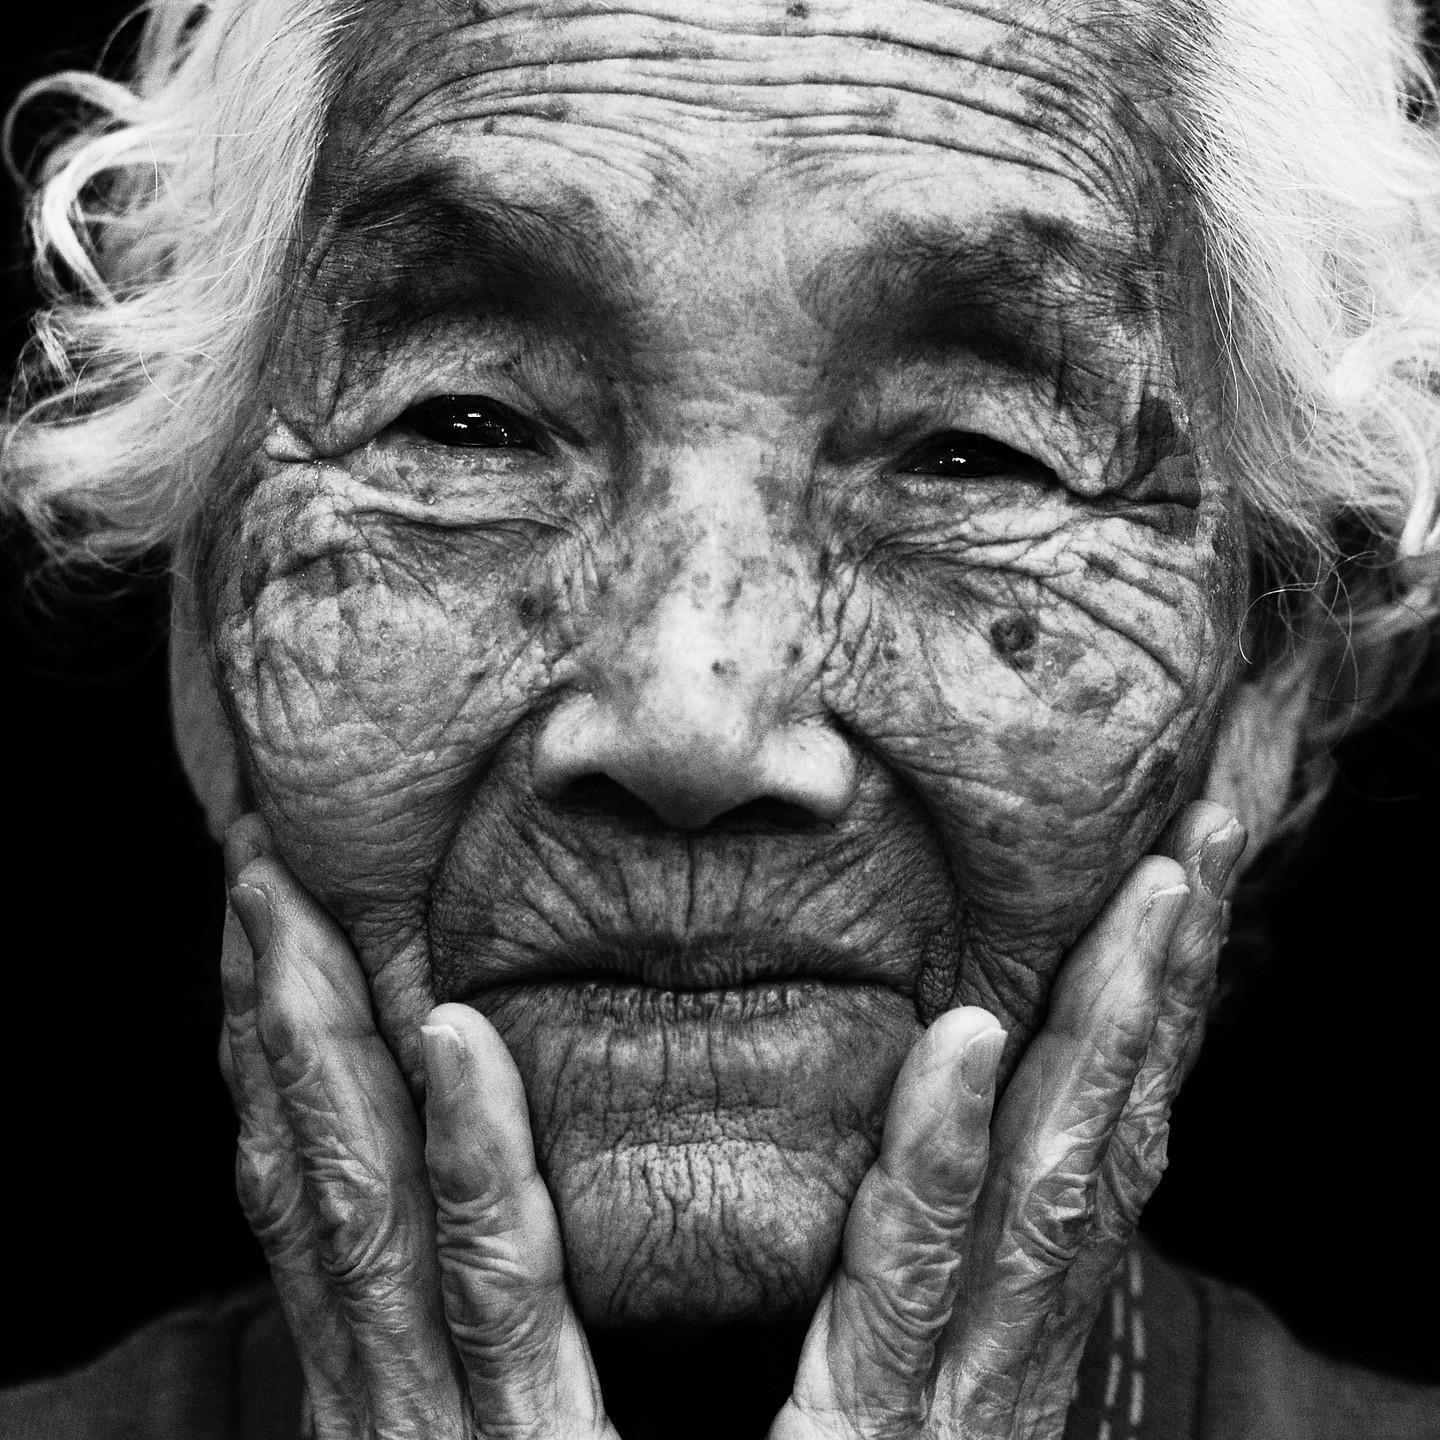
(502, 1264)
(868, 1360)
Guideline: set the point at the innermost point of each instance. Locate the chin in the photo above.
(702, 1234)
(703, 1147)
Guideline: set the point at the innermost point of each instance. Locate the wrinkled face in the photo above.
(728, 571)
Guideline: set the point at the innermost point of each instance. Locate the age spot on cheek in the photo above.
(1012, 638)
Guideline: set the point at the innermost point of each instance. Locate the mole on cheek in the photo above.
(1012, 638)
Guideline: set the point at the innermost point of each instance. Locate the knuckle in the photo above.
(498, 1333)
(1134, 1165)
(1055, 1218)
(984, 1395)
(363, 1248)
(904, 1316)
(270, 1192)
(904, 1218)
(297, 1068)
(465, 1214)
(1126, 1042)
(497, 1264)
(489, 1280)
(282, 1036)
(910, 1295)
(504, 1231)
(359, 1228)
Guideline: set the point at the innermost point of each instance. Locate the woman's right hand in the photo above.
(422, 1278)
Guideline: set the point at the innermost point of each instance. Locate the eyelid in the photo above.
(899, 407)
(374, 412)
(364, 393)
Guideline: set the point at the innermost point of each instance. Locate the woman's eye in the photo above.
(961, 455)
(470, 420)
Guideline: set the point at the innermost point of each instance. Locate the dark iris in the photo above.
(472, 420)
(962, 455)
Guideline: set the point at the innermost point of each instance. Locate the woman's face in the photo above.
(814, 602)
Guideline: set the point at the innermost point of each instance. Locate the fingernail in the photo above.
(252, 905)
(981, 1060)
(444, 1059)
(1219, 855)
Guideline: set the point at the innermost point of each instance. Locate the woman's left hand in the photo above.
(973, 1265)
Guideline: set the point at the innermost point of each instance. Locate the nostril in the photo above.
(597, 792)
(768, 814)
(590, 789)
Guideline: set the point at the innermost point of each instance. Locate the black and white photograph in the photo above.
(723, 719)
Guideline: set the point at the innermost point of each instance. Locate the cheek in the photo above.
(1051, 713)
(370, 667)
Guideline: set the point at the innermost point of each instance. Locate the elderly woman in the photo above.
(742, 573)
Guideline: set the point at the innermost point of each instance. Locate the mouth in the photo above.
(716, 963)
(631, 1005)
(637, 1051)
(649, 980)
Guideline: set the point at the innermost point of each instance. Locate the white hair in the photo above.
(1304, 131)
(1307, 133)
(159, 230)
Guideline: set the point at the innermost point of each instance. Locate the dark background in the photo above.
(1302, 1160)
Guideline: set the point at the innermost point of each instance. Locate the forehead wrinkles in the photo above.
(1029, 85)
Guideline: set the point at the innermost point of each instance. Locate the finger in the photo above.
(869, 1355)
(361, 1155)
(272, 1194)
(1208, 841)
(1051, 1134)
(502, 1264)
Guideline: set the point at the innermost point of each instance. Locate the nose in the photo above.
(692, 713)
(693, 757)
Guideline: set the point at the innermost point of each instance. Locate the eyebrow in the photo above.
(404, 250)
(1031, 293)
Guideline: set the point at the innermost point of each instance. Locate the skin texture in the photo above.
(708, 747)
